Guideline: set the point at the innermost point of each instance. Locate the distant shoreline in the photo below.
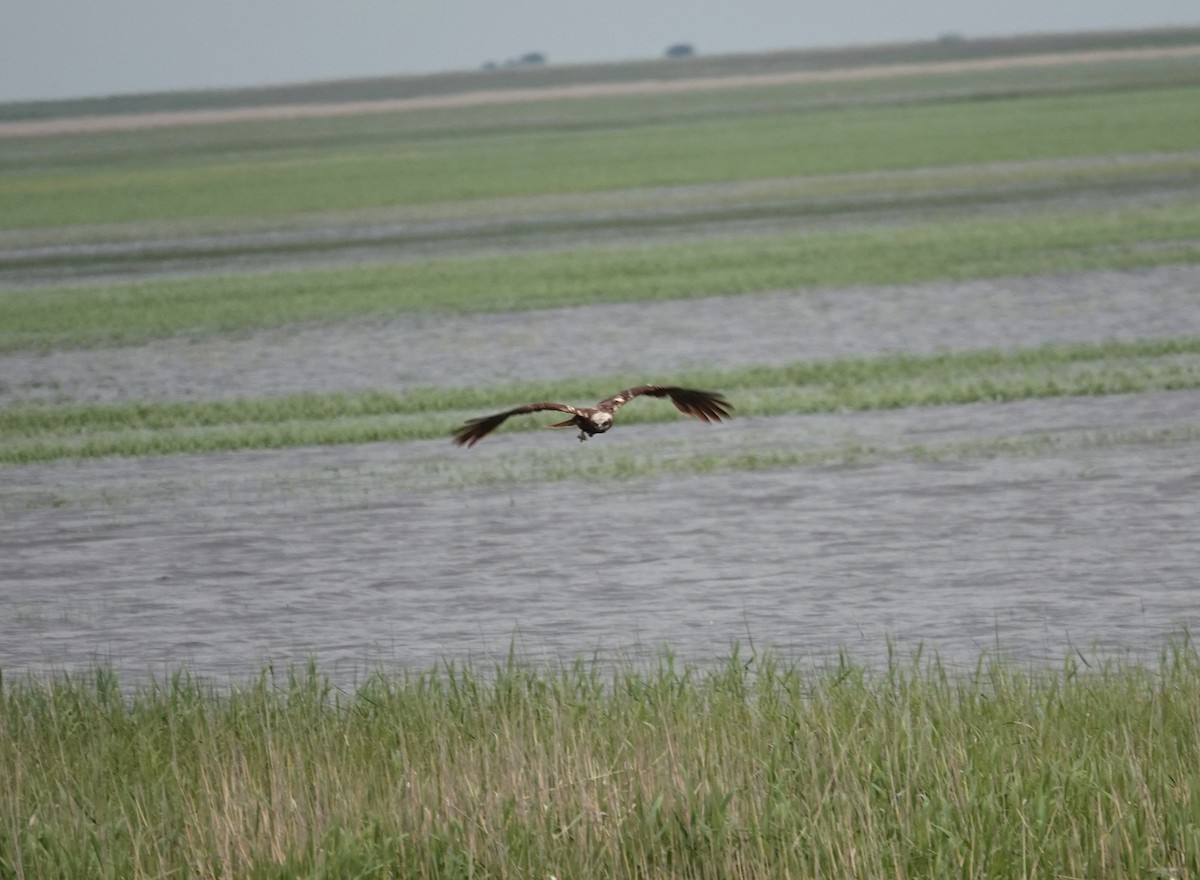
(93, 124)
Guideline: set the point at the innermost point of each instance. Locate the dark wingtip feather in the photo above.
(475, 430)
(707, 406)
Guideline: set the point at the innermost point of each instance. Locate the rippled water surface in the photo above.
(642, 339)
(1087, 537)
(1032, 526)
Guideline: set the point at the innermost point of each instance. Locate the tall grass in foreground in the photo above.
(755, 768)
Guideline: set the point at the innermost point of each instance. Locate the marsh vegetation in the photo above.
(749, 768)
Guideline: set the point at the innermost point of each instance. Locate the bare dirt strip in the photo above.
(136, 121)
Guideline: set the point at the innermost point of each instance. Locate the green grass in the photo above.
(753, 768)
(716, 146)
(47, 432)
(976, 247)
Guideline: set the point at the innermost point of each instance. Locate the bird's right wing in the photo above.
(475, 430)
(708, 406)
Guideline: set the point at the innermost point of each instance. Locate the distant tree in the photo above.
(490, 65)
(950, 38)
(532, 59)
(680, 50)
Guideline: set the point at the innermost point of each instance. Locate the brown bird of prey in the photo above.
(707, 406)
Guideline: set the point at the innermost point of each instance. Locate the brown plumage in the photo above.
(707, 406)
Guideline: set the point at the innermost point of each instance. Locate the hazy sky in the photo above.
(71, 48)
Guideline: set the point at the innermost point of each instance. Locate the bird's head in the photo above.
(602, 421)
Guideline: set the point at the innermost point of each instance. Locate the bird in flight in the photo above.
(707, 406)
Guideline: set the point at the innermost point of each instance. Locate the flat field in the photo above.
(957, 311)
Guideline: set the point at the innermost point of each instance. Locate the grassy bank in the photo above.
(47, 432)
(755, 768)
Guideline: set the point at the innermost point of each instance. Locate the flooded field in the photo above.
(645, 338)
(1086, 537)
(1028, 527)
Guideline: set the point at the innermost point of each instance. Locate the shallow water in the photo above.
(1082, 533)
(227, 562)
(640, 339)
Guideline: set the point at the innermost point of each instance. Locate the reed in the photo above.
(754, 767)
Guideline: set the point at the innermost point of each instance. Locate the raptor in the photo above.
(707, 406)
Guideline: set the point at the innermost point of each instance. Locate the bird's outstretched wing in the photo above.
(708, 406)
(475, 430)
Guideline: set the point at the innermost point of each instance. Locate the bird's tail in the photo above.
(569, 423)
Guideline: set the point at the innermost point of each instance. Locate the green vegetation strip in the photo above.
(42, 433)
(949, 249)
(755, 767)
(636, 151)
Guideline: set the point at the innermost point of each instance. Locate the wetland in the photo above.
(923, 607)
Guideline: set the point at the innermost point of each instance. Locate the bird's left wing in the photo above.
(708, 406)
